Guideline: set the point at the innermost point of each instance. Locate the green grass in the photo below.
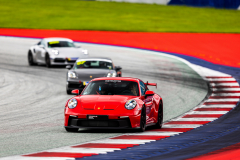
(113, 16)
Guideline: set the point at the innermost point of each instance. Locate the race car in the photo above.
(86, 69)
(55, 51)
(114, 103)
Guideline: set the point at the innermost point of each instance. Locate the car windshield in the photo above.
(53, 44)
(83, 64)
(112, 87)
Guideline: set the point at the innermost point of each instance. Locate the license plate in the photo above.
(92, 117)
(99, 117)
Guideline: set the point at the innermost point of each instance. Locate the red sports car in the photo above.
(116, 103)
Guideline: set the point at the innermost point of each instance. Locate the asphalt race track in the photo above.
(33, 97)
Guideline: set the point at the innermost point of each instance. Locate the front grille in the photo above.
(99, 123)
(59, 60)
(76, 122)
(72, 61)
(76, 85)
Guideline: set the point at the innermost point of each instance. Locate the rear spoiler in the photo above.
(151, 84)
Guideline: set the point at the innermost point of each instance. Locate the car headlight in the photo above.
(72, 103)
(72, 75)
(85, 51)
(131, 104)
(55, 51)
(112, 74)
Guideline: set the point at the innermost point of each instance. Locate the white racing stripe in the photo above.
(221, 79)
(218, 106)
(224, 84)
(36, 158)
(223, 100)
(181, 125)
(156, 133)
(225, 89)
(207, 112)
(122, 141)
(195, 119)
(83, 150)
(225, 94)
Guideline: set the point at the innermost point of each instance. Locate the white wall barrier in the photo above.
(163, 2)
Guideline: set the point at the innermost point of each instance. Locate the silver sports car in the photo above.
(85, 69)
(55, 51)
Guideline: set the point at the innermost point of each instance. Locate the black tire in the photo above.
(71, 129)
(143, 120)
(158, 125)
(30, 58)
(48, 61)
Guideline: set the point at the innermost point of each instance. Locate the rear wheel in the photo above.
(143, 120)
(48, 61)
(160, 117)
(71, 129)
(30, 58)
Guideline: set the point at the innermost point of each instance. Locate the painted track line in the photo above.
(218, 103)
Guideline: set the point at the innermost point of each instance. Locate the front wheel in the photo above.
(48, 61)
(30, 58)
(160, 117)
(143, 120)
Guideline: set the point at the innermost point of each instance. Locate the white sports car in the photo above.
(55, 51)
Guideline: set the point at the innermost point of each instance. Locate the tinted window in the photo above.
(53, 44)
(143, 88)
(112, 87)
(93, 64)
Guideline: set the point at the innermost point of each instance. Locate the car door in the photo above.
(149, 104)
(40, 52)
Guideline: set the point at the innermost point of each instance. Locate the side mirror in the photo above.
(75, 91)
(118, 68)
(68, 67)
(149, 93)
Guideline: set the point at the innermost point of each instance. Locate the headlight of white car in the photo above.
(131, 104)
(72, 103)
(85, 51)
(72, 75)
(113, 74)
(56, 52)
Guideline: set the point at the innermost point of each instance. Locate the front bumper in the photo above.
(103, 123)
(62, 61)
(71, 85)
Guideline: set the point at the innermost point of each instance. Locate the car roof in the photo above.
(57, 39)
(95, 58)
(117, 78)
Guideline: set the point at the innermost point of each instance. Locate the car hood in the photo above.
(103, 102)
(68, 52)
(89, 74)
